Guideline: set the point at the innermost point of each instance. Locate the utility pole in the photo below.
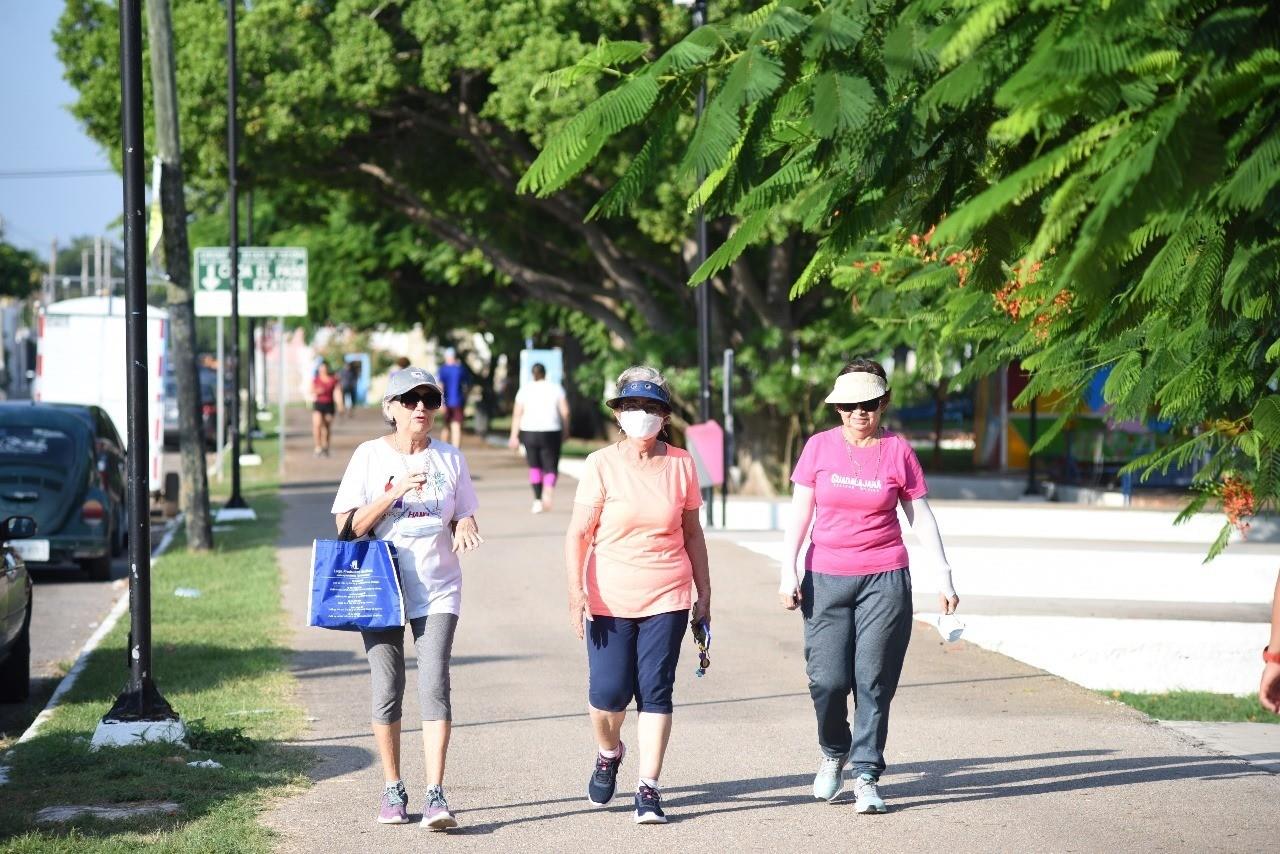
(84, 271)
(251, 411)
(194, 482)
(236, 502)
(51, 287)
(702, 295)
(140, 713)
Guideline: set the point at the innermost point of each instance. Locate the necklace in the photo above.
(431, 470)
(854, 465)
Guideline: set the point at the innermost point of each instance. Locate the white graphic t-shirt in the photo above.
(417, 524)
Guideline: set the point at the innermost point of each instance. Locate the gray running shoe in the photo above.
(829, 781)
(866, 797)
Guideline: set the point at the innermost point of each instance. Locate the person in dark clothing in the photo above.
(350, 382)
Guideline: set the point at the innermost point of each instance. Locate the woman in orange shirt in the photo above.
(633, 552)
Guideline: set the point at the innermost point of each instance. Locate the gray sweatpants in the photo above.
(856, 631)
(433, 638)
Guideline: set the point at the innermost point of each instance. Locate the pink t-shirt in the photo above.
(638, 565)
(855, 527)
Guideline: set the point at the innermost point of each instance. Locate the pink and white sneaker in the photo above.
(394, 807)
(436, 814)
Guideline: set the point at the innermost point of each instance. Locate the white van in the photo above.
(80, 358)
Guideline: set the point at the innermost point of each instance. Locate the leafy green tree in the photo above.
(390, 138)
(1080, 186)
(19, 270)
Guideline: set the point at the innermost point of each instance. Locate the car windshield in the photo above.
(21, 443)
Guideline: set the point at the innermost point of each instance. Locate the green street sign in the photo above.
(273, 281)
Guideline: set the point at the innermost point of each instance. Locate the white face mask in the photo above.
(639, 424)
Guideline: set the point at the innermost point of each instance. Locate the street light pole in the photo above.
(702, 294)
(140, 705)
(251, 414)
(236, 501)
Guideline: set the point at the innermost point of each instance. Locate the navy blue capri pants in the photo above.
(634, 657)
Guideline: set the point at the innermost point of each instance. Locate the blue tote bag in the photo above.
(355, 584)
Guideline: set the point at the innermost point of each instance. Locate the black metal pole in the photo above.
(702, 297)
(726, 400)
(140, 699)
(1031, 457)
(251, 411)
(236, 501)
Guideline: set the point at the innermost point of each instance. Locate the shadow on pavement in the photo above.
(942, 782)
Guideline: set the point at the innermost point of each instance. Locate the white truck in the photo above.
(80, 358)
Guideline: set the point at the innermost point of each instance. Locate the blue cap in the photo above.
(640, 388)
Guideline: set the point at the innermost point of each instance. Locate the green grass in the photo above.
(221, 662)
(1197, 706)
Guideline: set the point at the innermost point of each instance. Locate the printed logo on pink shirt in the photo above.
(845, 482)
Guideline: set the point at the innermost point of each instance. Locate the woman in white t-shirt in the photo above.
(416, 493)
(540, 422)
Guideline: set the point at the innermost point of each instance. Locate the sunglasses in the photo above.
(865, 406)
(702, 637)
(411, 399)
(652, 407)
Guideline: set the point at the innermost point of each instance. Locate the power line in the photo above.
(57, 173)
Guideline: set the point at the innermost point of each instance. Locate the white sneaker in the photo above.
(866, 797)
(829, 781)
(537, 506)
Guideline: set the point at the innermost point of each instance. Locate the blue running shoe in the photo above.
(604, 779)
(649, 806)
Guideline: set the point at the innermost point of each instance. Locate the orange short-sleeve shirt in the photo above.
(638, 565)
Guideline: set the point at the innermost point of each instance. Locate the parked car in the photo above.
(15, 612)
(64, 465)
(208, 407)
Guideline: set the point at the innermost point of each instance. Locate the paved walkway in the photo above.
(985, 753)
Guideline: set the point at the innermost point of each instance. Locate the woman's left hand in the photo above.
(702, 609)
(948, 604)
(466, 536)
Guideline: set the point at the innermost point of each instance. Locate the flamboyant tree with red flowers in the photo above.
(1078, 186)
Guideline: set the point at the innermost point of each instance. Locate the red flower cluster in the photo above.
(1237, 501)
(961, 261)
(1008, 300)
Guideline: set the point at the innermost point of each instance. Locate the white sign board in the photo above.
(273, 281)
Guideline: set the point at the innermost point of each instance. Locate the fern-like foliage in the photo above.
(1103, 181)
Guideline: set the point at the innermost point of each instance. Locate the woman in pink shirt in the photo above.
(855, 587)
(633, 551)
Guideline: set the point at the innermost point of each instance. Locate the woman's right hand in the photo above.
(791, 600)
(407, 483)
(514, 443)
(578, 611)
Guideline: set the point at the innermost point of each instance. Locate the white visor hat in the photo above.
(856, 387)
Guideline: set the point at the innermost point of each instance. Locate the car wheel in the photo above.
(15, 672)
(98, 568)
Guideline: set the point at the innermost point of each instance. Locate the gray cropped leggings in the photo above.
(433, 637)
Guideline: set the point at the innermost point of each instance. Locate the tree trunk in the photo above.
(182, 319)
(585, 418)
(939, 409)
